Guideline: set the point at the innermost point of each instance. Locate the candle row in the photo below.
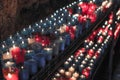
(31, 49)
(79, 66)
(52, 23)
(117, 30)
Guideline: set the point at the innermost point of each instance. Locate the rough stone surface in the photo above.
(12, 13)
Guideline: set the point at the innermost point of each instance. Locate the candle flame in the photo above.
(9, 75)
(3, 46)
(22, 42)
(8, 53)
(22, 67)
(48, 49)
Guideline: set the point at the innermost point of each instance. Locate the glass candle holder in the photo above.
(18, 54)
(10, 72)
(48, 53)
(7, 56)
(23, 74)
(40, 58)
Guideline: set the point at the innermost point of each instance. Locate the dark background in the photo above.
(17, 14)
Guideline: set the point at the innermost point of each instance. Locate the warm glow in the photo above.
(9, 75)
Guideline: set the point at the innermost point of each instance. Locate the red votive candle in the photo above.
(18, 54)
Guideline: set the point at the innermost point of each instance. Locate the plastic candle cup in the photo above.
(29, 54)
(3, 48)
(40, 58)
(62, 71)
(48, 53)
(66, 65)
(36, 47)
(68, 74)
(56, 47)
(33, 67)
(24, 74)
(17, 54)
(87, 24)
(67, 39)
(24, 32)
(11, 75)
(62, 44)
(6, 56)
(71, 69)
(80, 28)
(23, 44)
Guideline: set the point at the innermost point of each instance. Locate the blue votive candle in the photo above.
(40, 58)
(56, 47)
(62, 44)
(87, 24)
(80, 27)
(24, 32)
(29, 54)
(24, 74)
(66, 65)
(48, 53)
(33, 66)
(36, 47)
(67, 39)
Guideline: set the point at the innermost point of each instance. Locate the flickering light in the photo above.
(57, 75)
(69, 59)
(62, 71)
(104, 3)
(13, 42)
(89, 67)
(81, 55)
(87, 46)
(92, 61)
(54, 78)
(41, 21)
(99, 49)
(52, 16)
(72, 56)
(74, 64)
(86, 41)
(106, 22)
(82, 76)
(110, 28)
(81, 65)
(83, 62)
(86, 59)
(91, 64)
(103, 26)
(105, 42)
(96, 45)
(75, 74)
(93, 48)
(94, 57)
(109, 25)
(90, 43)
(63, 7)
(68, 74)
(102, 44)
(71, 69)
(108, 4)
